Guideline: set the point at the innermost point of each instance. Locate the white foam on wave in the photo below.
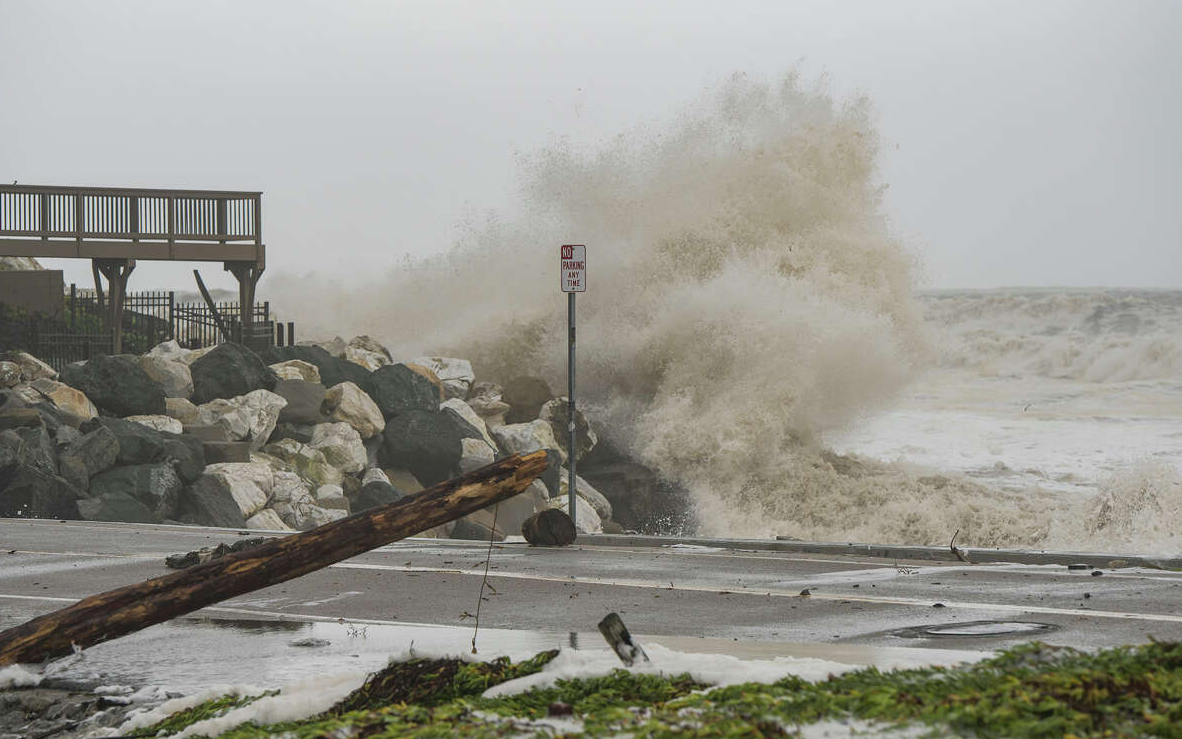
(746, 296)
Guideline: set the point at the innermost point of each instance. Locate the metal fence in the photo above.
(149, 318)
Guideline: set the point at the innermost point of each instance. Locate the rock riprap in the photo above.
(117, 386)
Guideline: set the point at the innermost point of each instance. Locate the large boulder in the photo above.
(95, 452)
(31, 367)
(295, 369)
(304, 401)
(341, 446)
(333, 369)
(182, 410)
(229, 371)
(467, 413)
(266, 520)
(250, 417)
(584, 490)
(374, 494)
(10, 374)
(333, 497)
(31, 493)
(156, 486)
(186, 454)
(397, 389)
(520, 438)
(115, 505)
(16, 418)
(117, 385)
(508, 516)
(476, 453)
(174, 376)
(525, 396)
(34, 446)
(349, 404)
(307, 462)
(587, 521)
(138, 444)
(164, 424)
(557, 413)
(209, 502)
(429, 444)
(367, 352)
(485, 399)
(76, 408)
(455, 375)
(171, 351)
(250, 483)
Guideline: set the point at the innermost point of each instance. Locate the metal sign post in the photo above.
(573, 278)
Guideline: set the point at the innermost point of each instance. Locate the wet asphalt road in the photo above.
(697, 592)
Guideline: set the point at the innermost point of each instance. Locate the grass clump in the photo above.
(1029, 691)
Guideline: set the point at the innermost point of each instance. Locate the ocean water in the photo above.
(754, 330)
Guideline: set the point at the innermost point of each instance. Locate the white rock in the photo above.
(10, 374)
(266, 520)
(250, 483)
(349, 404)
(332, 496)
(584, 490)
(192, 355)
(308, 463)
(297, 369)
(309, 517)
(455, 375)
(169, 350)
(335, 346)
(519, 438)
(290, 488)
(182, 410)
(159, 423)
(375, 475)
(173, 376)
(341, 446)
(476, 454)
(72, 402)
(31, 367)
(20, 264)
(469, 414)
(367, 359)
(249, 417)
(587, 520)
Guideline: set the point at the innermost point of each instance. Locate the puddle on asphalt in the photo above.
(191, 654)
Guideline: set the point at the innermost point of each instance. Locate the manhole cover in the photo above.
(976, 628)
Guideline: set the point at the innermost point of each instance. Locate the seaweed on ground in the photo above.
(1032, 690)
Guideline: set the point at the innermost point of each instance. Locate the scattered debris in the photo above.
(1097, 573)
(805, 593)
(938, 605)
(188, 559)
(617, 636)
(1078, 567)
(560, 709)
(309, 642)
(956, 551)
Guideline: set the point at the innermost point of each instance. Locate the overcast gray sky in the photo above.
(1026, 143)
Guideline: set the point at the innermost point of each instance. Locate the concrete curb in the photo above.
(888, 551)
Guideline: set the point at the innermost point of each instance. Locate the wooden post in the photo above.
(116, 271)
(118, 612)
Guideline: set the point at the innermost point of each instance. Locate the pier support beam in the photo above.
(247, 274)
(116, 271)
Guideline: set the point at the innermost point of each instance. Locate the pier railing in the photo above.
(43, 216)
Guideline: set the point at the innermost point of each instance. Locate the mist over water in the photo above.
(746, 297)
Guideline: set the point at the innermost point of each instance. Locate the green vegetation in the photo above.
(1030, 691)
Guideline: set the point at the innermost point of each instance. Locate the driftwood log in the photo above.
(118, 612)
